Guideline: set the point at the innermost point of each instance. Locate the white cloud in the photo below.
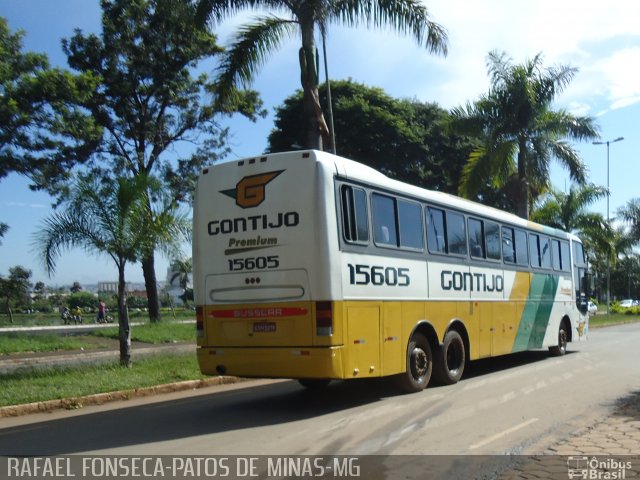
(599, 39)
(24, 204)
(587, 34)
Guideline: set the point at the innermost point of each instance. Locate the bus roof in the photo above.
(360, 172)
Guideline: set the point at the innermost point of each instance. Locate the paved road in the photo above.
(516, 404)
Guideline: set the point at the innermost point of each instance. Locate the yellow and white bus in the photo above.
(315, 267)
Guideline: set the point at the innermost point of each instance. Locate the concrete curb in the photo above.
(101, 398)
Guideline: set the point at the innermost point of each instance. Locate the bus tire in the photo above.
(451, 359)
(314, 383)
(561, 348)
(419, 365)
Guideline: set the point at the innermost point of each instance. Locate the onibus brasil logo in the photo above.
(586, 468)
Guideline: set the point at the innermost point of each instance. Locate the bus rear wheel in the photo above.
(451, 359)
(561, 348)
(419, 365)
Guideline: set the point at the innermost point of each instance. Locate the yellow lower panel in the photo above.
(273, 362)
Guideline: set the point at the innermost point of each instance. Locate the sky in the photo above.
(601, 39)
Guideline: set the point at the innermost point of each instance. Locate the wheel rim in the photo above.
(562, 340)
(419, 363)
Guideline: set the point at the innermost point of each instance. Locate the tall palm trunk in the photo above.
(151, 286)
(124, 330)
(522, 199)
(315, 126)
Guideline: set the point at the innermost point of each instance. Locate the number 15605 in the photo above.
(378, 275)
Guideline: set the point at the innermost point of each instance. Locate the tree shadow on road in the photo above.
(628, 406)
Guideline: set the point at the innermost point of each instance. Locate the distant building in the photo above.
(112, 287)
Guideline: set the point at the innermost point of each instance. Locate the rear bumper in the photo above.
(272, 362)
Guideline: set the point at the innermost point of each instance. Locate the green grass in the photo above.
(156, 333)
(153, 333)
(18, 343)
(602, 320)
(53, 384)
(44, 319)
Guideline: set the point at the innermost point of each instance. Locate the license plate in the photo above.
(264, 327)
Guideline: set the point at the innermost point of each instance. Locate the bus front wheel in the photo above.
(419, 365)
(451, 359)
(561, 348)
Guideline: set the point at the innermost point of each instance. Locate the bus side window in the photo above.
(476, 238)
(384, 220)
(435, 230)
(545, 252)
(456, 234)
(565, 257)
(410, 219)
(492, 240)
(534, 250)
(557, 259)
(355, 221)
(522, 253)
(508, 245)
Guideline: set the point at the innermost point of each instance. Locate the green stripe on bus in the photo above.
(537, 312)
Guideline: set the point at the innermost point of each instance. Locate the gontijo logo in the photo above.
(250, 191)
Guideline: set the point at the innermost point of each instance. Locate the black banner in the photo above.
(262, 467)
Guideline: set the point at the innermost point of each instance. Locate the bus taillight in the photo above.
(324, 319)
(199, 322)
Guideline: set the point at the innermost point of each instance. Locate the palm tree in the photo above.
(630, 214)
(182, 271)
(4, 228)
(255, 41)
(111, 219)
(518, 131)
(568, 212)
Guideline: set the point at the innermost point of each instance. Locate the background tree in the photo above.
(625, 277)
(630, 214)
(255, 41)
(182, 272)
(518, 130)
(39, 289)
(4, 228)
(43, 130)
(404, 139)
(76, 287)
(82, 299)
(568, 212)
(106, 219)
(147, 100)
(14, 290)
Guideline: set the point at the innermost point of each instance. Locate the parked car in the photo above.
(593, 308)
(627, 303)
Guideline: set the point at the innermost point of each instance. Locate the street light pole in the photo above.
(607, 143)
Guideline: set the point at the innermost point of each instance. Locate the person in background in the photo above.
(102, 313)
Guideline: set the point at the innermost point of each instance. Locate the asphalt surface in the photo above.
(615, 434)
